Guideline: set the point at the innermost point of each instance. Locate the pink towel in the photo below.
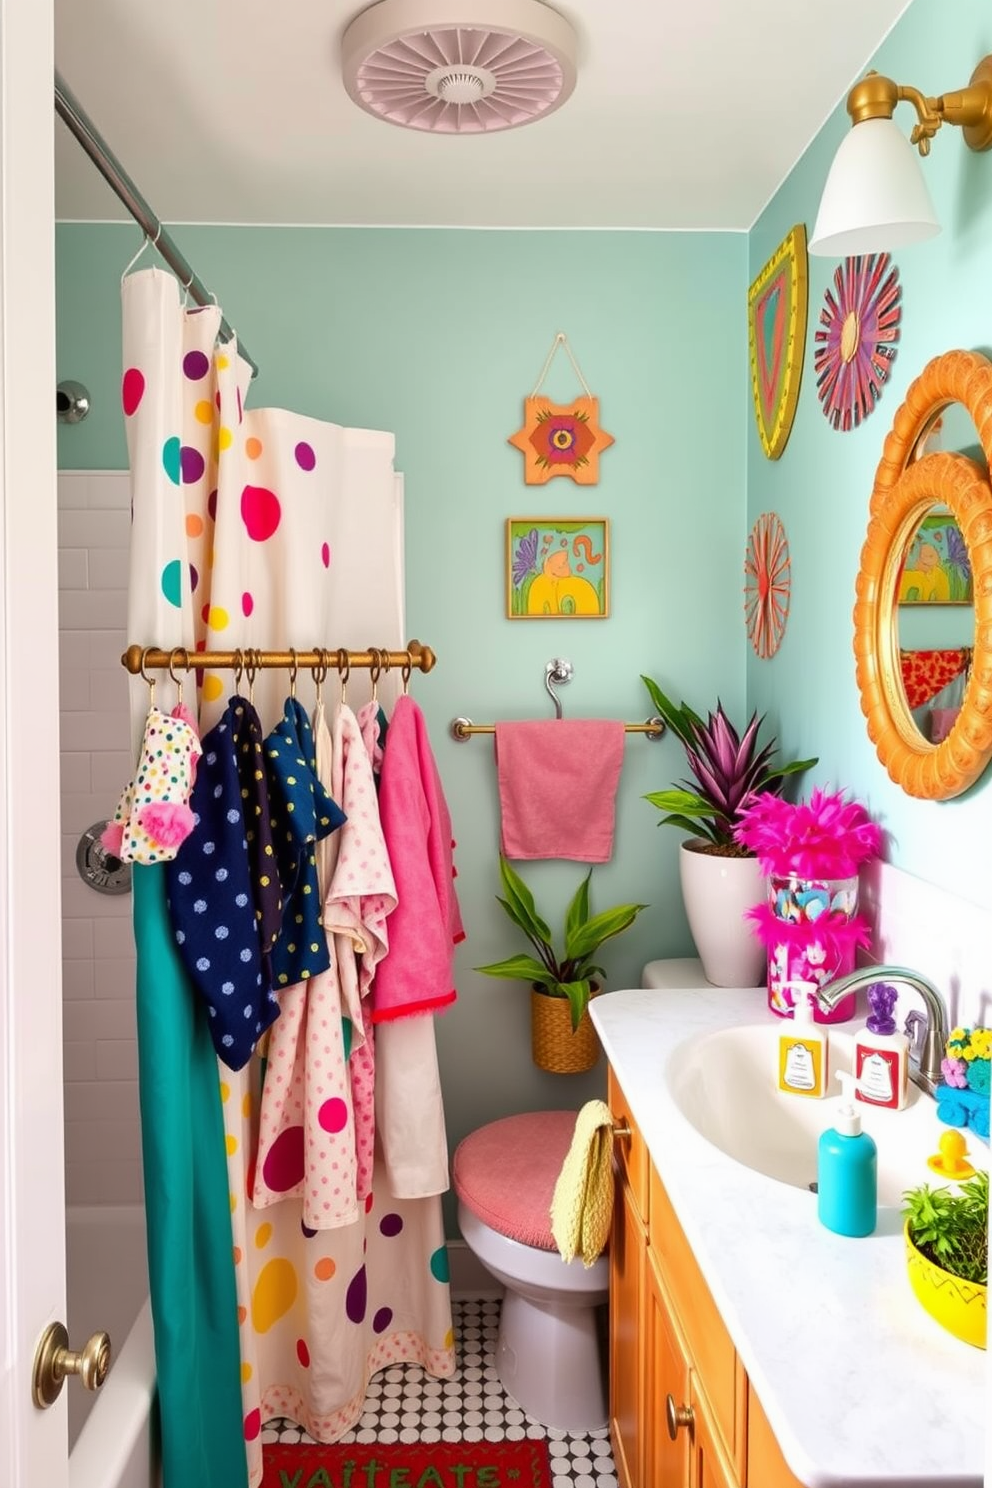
(557, 787)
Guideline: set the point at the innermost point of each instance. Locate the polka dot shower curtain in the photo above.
(267, 529)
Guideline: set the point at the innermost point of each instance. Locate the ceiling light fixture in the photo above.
(876, 198)
(450, 67)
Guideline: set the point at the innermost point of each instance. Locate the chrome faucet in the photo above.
(927, 1048)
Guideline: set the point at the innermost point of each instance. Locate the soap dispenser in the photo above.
(881, 1054)
(802, 1048)
(847, 1170)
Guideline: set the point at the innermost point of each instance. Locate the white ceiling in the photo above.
(687, 114)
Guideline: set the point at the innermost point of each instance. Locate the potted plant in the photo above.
(563, 1038)
(947, 1254)
(720, 877)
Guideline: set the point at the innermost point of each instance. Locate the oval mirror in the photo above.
(923, 616)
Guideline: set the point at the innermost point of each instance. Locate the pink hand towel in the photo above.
(557, 787)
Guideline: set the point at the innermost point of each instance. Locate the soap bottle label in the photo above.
(877, 1073)
(801, 1070)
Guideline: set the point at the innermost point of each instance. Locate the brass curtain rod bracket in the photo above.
(417, 657)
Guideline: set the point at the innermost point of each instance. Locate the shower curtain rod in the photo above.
(416, 656)
(82, 127)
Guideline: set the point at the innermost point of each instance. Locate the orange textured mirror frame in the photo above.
(904, 490)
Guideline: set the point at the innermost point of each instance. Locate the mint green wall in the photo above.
(821, 484)
(439, 336)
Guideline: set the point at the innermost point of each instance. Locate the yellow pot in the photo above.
(959, 1306)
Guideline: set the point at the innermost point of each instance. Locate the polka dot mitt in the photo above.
(153, 816)
(212, 907)
(302, 813)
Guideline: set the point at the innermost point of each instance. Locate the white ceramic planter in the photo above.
(716, 892)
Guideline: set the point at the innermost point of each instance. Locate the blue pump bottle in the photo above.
(847, 1171)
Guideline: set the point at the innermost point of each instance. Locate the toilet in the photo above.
(548, 1353)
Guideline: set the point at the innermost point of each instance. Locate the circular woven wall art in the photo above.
(854, 347)
(767, 584)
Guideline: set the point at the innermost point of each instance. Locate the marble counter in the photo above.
(861, 1387)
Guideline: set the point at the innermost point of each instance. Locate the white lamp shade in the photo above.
(875, 198)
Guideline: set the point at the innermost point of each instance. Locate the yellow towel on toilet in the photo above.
(582, 1203)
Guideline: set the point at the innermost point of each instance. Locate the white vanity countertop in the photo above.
(861, 1387)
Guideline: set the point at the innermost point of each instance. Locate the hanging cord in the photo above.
(560, 340)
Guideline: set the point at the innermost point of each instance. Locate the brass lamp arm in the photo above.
(875, 97)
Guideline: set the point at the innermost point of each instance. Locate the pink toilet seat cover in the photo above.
(506, 1172)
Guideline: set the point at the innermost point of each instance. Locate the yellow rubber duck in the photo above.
(950, 1160)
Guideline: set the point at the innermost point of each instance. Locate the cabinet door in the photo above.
(627, 1248)
(711, 1467)
(666, 1374)
(765, 1464)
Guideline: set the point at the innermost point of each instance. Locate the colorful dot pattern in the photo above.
(303, 813)
(253, 784)
(153, 811)
(212, 907)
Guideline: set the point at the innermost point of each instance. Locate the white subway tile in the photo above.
(107, 568)
(117, 1141)
(114, 978)
(73, 490)
(110, 771)
(74, 652)
(95, 529)
(94, 731)
(74, 771)
(115, 938)
(74, 690)
(109, 693)
(92, 609)
(99, 1019)
(80, 902)
(74, 568)
(79, 1060)
(78, 978)
(77, 939)
(110, 489)
(106, 1100)
(104, 1183)
(81, 809)
(117, 1059)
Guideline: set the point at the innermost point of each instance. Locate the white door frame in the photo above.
(33, 1448)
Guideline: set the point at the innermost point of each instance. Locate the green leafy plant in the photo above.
(571, 973)
(727, 767)
(951, 1229)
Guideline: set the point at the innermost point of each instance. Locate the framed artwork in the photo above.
(767, 584)
(557, 568)
(937, 568)
(855, 345)
(561, 439)
(776, 333)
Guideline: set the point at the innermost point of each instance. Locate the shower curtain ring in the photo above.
(251, 671)
(146, 678)
(178, 651)
(407, 669)
(375, 670)
(239, 667)
(344, 670)
(293, 670)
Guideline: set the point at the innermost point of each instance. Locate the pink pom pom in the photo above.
(828, 837)
(167, 823)
(112, 838)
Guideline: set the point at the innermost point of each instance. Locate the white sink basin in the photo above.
(724, 1083)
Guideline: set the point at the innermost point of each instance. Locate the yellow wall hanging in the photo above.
(776, 333)
(561, 438)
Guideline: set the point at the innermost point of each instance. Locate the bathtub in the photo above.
(112, 1434)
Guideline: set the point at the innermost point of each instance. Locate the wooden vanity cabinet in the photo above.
(670, 1353)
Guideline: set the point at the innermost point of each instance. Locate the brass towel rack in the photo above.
(558, 670)
(415, 658)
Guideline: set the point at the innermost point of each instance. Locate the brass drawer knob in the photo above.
(54, 1360)
(677, 1416)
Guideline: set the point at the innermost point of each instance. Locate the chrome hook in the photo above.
(557, 670)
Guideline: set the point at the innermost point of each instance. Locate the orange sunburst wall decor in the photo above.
(561, 438)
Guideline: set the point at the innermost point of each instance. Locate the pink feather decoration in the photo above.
(112, 838)
(839, 936)
(167, 823)
(826, 837)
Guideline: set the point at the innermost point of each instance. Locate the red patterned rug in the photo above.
(503, 1464)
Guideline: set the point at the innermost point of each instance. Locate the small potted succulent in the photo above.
(563, 1038)
(947, 1254)
(720, 877)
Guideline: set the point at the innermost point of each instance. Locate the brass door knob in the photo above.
(677, 1416)
(54, 1359)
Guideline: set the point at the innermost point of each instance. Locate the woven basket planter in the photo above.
(554, 1047)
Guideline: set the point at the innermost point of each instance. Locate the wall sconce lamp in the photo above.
(876, 198)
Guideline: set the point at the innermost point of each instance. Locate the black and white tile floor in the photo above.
(405, 1404)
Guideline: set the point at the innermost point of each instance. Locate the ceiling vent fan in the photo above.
(450, 67)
